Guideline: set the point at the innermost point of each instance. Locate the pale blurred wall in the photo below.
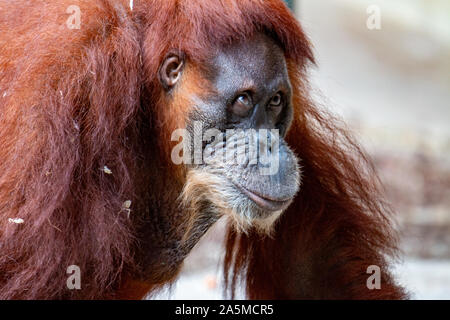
(396, 80)
(392, 86)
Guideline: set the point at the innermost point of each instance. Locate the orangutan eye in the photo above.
(244, 99)
(276, 100)
(242, 104)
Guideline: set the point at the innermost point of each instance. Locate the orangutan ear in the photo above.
(171, 69)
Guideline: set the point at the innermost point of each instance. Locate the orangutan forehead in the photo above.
(250, 53)
(257, 62)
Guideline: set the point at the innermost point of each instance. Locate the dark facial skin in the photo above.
(252, 86)
(255, 69)
(251, 90)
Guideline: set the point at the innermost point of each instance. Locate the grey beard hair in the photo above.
(207, 192)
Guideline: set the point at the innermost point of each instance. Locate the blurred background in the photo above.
(384, 66)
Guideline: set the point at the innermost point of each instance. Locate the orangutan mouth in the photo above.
(263, 202)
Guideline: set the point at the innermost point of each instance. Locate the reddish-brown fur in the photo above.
(73, 101)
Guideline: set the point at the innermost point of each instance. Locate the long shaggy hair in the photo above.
(71, 105)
